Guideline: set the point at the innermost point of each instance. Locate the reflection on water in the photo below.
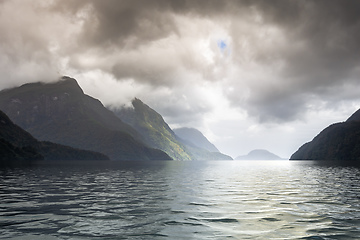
(181, 200)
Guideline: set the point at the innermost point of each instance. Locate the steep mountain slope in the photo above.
(339, 141)
(17, 144)
(195, 137)
(259, 154)
(158, 134)
(60, 112)
(154, 129)
(355, 117)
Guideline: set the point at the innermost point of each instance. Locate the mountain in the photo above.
(196, 138)
(158, 134)
(337, 142)
(60, 112)
(203, 154)
(355, 117)
(11, 154)
(200, 147)
(17, 144)
(153, 128)
(259, 154)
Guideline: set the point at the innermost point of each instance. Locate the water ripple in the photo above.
(181, 200)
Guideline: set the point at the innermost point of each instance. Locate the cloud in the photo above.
(300, 49)
(125, 24)
(32, 39)
(272, 61)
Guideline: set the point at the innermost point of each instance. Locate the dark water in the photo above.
(181, 200)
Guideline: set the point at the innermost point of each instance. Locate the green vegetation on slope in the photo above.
(153, 128)
(158, 134)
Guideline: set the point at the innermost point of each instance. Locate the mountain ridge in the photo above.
(195, 137)
(158, 134)
(154, 129)
(60, 112)
(337, 142)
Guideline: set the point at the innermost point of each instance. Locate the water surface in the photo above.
(181, 200)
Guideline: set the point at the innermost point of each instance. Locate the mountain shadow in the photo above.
(158, 134)
(18, 145)
(337, 142)
(60, 112)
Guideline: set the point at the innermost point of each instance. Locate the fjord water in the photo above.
(180, 200)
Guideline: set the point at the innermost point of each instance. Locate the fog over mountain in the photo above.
(157, 134)
(242, 72)
(259, 154)
(195, 137)
(61, 113)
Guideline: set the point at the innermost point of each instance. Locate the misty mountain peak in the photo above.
(158, 134)
(65, 85)
(69, 83)
(60, 112)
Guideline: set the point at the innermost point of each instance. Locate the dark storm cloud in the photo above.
(320, 55)
(122, 23)
(330, 31)
(284, 52)
(321, 36)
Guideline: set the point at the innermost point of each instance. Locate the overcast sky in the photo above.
(249, 74)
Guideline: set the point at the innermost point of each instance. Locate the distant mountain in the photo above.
(337, 142)
(203, 154)
(17, 144)
(196, 138)
(259, 154)
(60, 112)
(158, 134)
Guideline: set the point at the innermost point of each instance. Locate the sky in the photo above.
(249, 74)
